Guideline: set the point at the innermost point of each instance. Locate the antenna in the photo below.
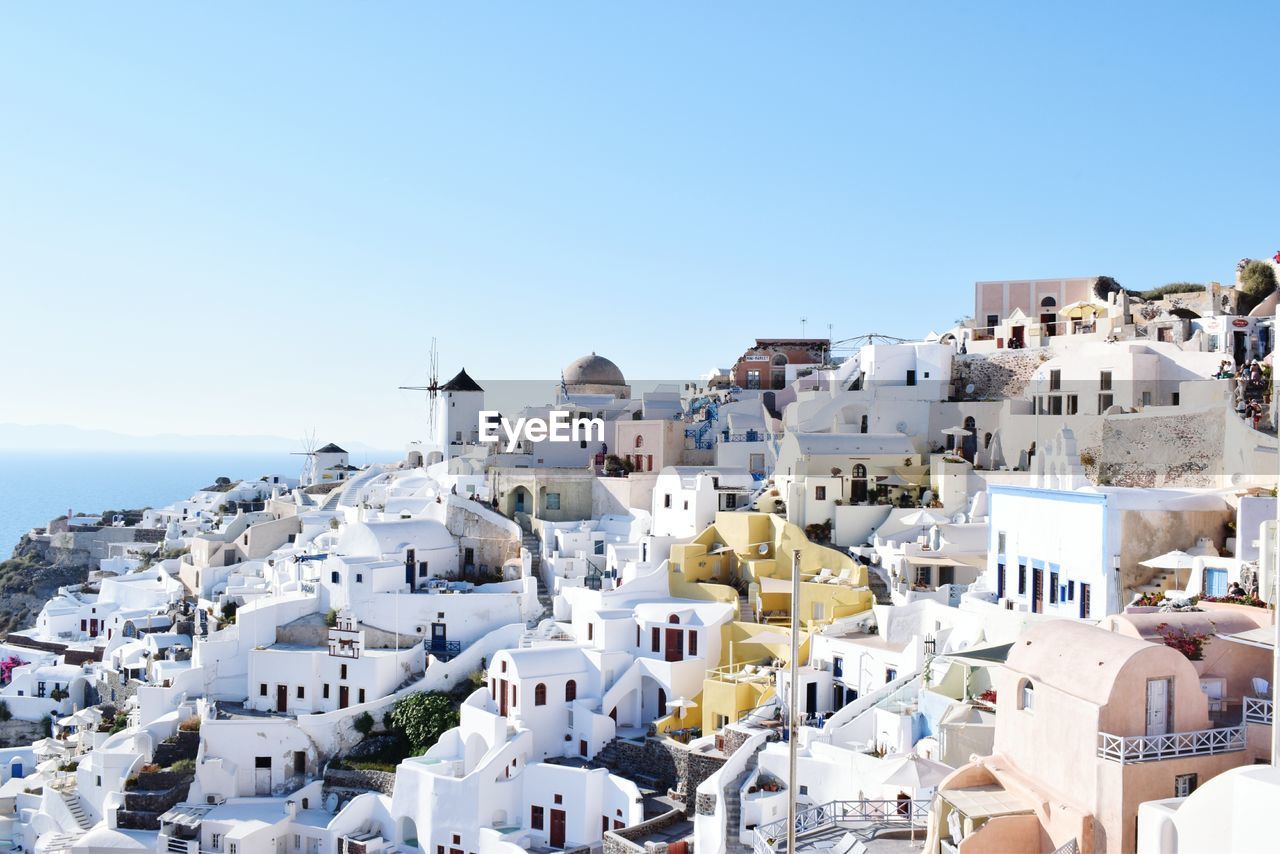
(432, 389)
(803, 321)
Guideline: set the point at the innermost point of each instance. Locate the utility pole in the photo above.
(793, 702)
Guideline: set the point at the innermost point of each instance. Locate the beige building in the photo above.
(1089, 724)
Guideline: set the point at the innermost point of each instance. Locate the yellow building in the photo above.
(749, 556)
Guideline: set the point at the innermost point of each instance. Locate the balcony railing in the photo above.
(1174, 745)
(1257, 711)
(444, 650)
(771, 838)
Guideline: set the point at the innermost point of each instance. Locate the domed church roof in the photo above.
(593, 370)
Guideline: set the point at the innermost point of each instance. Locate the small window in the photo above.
(1104, 381)
(1027, 696)
(342, 671)
(1055, 380)
(262, 689)
(666, 501)
(359, 577)
(819, 493)
(301, 692)
(535, 818)
(1184, 785)
(540, 694)
(993, 320)
(361, 695)
(591, 631)
(693, 643)
(553, 501)
(570, 691)
(262, 762)
(559, 799)
(1022, 579)
(324, 690)
(1053, 588)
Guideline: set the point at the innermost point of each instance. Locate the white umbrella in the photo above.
(923, 517)
(958, 432)
(1175, 560)
(892, 480)
(680, 705)
(912, 771)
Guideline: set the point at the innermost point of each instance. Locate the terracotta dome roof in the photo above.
(593, 370)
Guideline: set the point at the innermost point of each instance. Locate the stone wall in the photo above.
(668, 764)
(994, 376)
(1147, 450)
(370, 781)
(626, 840)
(16, 733)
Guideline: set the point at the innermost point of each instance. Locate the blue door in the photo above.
(1215, 582)
(15, 768)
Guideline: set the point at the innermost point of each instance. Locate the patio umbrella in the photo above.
(958, 432)
(892, 480)
(1175, 560)
(1077, 310)
(914, 772)
(681, 705)
(923, 517)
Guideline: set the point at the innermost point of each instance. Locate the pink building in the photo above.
(1038, 299)
(1089, 724)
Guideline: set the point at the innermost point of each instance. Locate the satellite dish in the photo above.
(969, 389)
(763, 548)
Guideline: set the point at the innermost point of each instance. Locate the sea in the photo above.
(36, 487)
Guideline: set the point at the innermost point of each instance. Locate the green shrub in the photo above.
(363, 723)
(331, 617)
(1257, 280)
(5, 714)
(183, 765)
(422, 718)
(191, 724)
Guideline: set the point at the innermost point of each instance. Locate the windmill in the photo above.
(308, 451)
(433, 391)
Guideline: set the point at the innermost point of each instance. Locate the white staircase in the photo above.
(72, 800)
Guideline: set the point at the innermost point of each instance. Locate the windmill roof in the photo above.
(330, 449)
(461, 382)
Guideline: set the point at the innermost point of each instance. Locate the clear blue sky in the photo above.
(252, 218)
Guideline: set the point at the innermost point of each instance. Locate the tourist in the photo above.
(1236, 591)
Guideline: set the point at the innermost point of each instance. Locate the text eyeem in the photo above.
(559, 427)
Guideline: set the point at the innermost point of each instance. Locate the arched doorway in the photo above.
(1049, 315)
(519, 500)
(409, 831)
(859, 485)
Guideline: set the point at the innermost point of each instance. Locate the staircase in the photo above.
(72, 800)
(878, 587)
(733, 809)
(746, 614)
(531, 542)
(1162, 581)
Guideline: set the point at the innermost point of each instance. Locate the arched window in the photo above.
(639, 441)
(1026, 695)
(1048, 302)
(778, 359)
(540, 694)
(860, 472)
(570, 691)
(673, 619)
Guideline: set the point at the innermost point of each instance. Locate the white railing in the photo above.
(772, 838)
(1257, 711)
(1128, 749)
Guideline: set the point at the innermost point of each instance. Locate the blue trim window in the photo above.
(1022, 579)
(1053, 587)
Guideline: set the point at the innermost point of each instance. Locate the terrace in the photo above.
(1175, 745)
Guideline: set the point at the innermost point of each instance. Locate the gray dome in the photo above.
(593, 370)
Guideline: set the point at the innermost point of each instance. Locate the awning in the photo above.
(1263, 638)
(985, 801)
(981, 656)
(939, 560)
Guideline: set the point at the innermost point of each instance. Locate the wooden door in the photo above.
(344, 696)
(282, 698)
(557, 828)
(675, 645)
(502, 697)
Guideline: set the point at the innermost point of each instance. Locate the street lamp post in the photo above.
(793, 701)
